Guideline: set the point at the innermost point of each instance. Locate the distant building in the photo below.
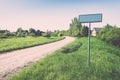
(95, 31)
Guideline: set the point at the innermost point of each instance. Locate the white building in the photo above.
(95, 31)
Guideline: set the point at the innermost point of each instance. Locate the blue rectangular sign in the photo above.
(90, 18)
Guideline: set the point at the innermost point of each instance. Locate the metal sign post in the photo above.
(90, 18)
(89, 28)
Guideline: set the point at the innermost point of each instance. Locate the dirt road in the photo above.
(14, 61)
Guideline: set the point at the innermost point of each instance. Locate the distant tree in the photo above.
(38, 33)
(108, 26)
(60, 34)
(19, 30)
(21, 33)
(55, 33)
(3, 31)
(5, 34)
(31, 30)
(47, 34)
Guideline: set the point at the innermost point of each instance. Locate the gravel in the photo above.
(15, 61)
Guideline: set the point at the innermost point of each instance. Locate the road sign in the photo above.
(90, 18)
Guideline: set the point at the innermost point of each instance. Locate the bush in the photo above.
(114, 37)
(101, 35)
(111, 36)
(47, 34)
(84, 31)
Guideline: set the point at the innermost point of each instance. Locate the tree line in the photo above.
(20, 33)
(109, 33)
(31, 32)
(75, 30)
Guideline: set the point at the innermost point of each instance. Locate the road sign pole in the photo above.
(90, 18)
(89, 28)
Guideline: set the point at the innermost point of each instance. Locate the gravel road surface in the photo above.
(13, 62)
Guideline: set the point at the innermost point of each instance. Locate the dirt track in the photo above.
(14, 61)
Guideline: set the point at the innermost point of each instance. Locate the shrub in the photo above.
(101, 35)
(111, 36)
(114, 37)
(84, 31)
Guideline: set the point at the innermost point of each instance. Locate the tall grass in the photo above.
(105, 64)
(10, 44)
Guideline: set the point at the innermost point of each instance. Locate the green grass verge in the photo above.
(11, 44)
(105, 63)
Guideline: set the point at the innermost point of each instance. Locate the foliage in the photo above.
(75, 27)
(101, 35)
(64, 33)
(31, 30)
(77, 30)
(105, 64)
(10, 44)
(84, 31)
(55, 33)
(108, 26)
(47, 34)
(5, 34)
(111, 36)
(20, 33)
(38, 33)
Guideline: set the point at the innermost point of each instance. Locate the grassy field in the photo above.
(10, 44)
(70, 63)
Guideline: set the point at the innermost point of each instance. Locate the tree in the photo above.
(38, 33)
(55, 33)
(75, 28)
(84, 31)
(21, 33)
(19, 30)
(108, 26)
(5, 34)
(31, 30)
(47, 34)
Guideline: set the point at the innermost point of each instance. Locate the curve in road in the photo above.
(12, 62)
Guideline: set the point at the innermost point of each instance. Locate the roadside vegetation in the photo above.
(26, 38)
(9, 44)
(70, 63)
(110, 34)
(31, 32)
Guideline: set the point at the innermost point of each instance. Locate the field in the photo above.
(10, 44)
(70, 63)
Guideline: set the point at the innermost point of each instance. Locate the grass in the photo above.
(105, 63)
(10, 44)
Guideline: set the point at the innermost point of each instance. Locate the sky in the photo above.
(55, 14)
